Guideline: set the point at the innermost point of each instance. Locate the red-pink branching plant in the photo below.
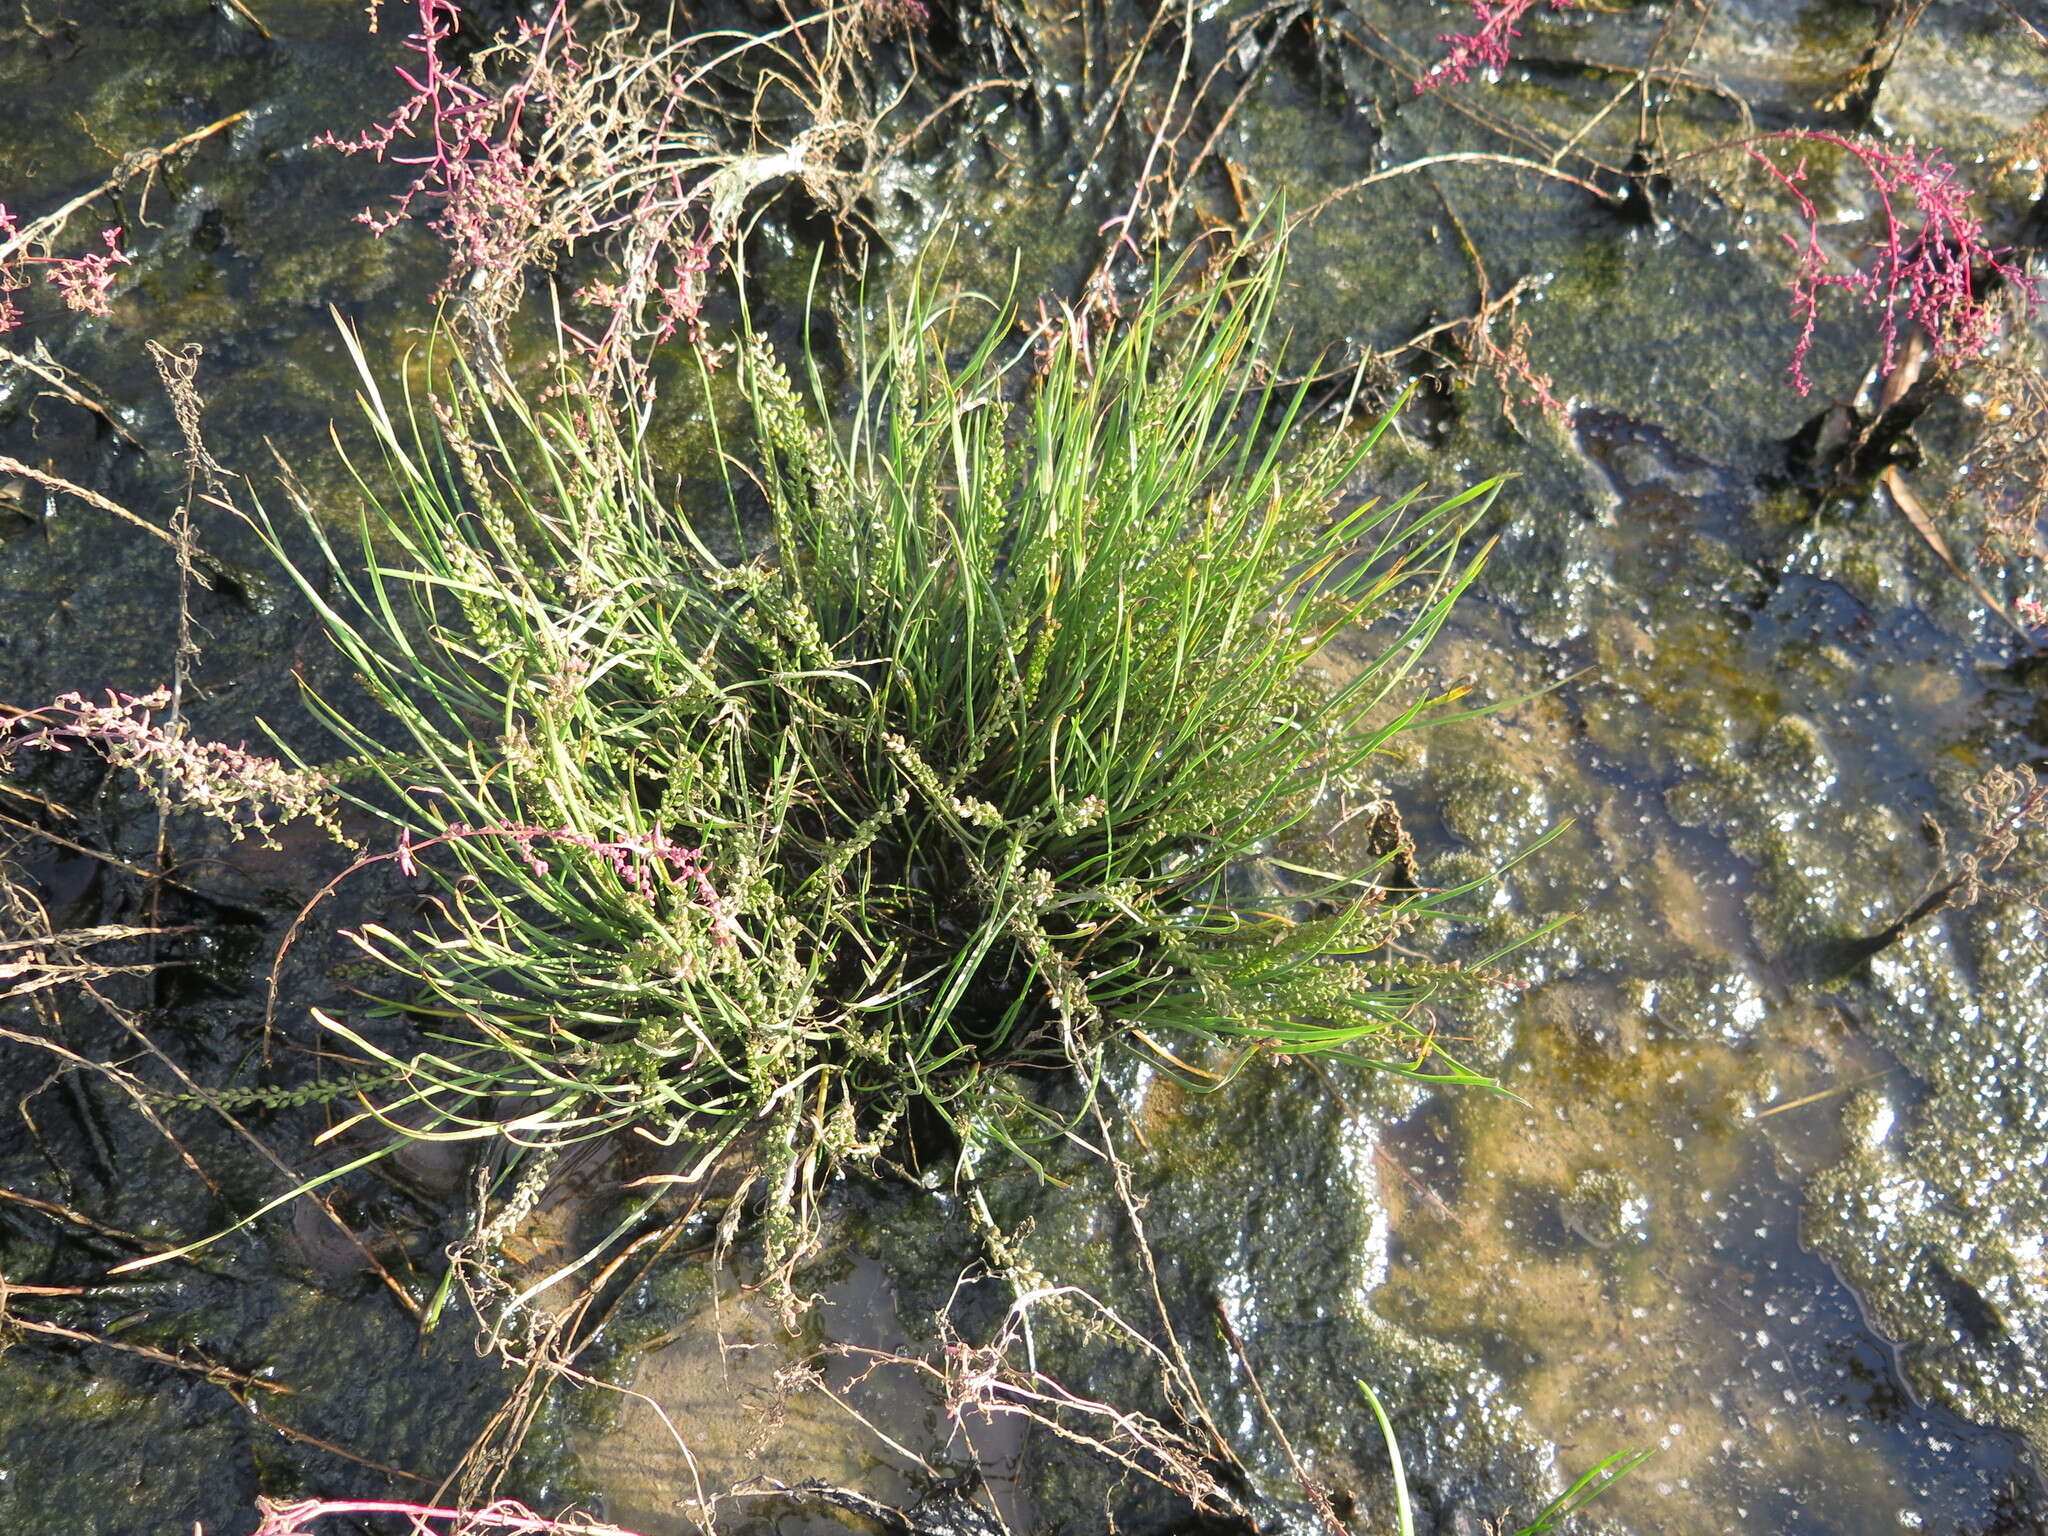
(1927, 266)
(466, 144)
(507, 1516)
(245, 791)
(549, 138)
(85, 283)
(1486, 47)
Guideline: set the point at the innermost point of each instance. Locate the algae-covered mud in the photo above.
(1769, 1196)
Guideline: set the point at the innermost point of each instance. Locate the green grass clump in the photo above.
(958, 774)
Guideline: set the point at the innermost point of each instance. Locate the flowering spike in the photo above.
(232, 784)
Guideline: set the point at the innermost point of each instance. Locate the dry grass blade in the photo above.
(1922, 522)
(58, 483)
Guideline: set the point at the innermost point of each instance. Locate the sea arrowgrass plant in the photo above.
(1588, 1486)
(937, 758)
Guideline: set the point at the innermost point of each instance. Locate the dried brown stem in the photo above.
(1316, 1497)
(58, 378)
(1454, 157)
(234, 1382)
(44, 478)
(39, 230)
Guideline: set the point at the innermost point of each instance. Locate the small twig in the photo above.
(54, 375)
(875, 1429)
(1456, 157)
(1191, 1386)
(1252, 75)
(2040, 38)
(76, 1218)
(140, 1097)
(69, 846)
(1594, 120)
(1430, 1197)
(125, 1081)
(1825, 1093)
(1126, 76)
(264, 32)
(219, 1375)
(179, 373)
(905, 140)
(300, 1435)
(1316, 1496)
(290, 1519)
(106, 933)
(1476, 109)
(589, 1382)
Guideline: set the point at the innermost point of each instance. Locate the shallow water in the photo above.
(1770, 1213)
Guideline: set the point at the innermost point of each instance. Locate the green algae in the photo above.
(1936, 1210)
